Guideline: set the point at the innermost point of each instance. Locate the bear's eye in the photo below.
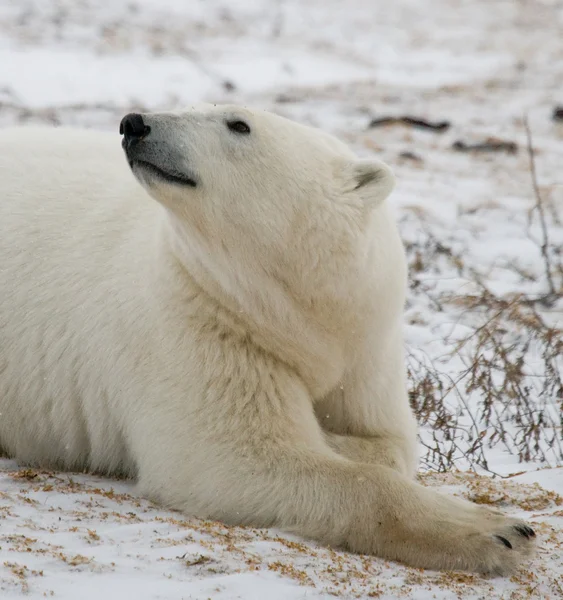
(238, 126)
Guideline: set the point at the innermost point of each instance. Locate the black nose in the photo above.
(133, 128)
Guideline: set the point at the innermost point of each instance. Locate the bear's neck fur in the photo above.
(316, 343)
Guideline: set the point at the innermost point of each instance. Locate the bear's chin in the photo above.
(144, 168)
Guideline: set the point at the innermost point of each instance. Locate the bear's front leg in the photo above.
(248, 450)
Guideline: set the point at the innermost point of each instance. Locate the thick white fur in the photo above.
(235, 346)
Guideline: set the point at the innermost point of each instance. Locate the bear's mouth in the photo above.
(169, 176)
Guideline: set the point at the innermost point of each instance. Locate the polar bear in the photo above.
(216, 310)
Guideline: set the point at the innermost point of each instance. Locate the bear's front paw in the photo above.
(497, 545)
(459, 535)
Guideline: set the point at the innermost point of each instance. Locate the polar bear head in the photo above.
(241, 178)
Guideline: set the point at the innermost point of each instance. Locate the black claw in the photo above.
(526, 531)
(504, 541)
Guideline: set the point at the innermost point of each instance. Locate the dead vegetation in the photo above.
(509, 404)
(508, 389)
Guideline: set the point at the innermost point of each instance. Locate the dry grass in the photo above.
(508, 390)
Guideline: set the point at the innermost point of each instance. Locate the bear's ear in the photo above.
(371, 180)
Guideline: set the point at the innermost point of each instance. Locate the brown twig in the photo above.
(552, 295)
(410, 122)
(489, 145)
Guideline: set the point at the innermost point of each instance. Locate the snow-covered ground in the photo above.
(485, 351)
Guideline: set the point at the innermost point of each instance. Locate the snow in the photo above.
(480, 64)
